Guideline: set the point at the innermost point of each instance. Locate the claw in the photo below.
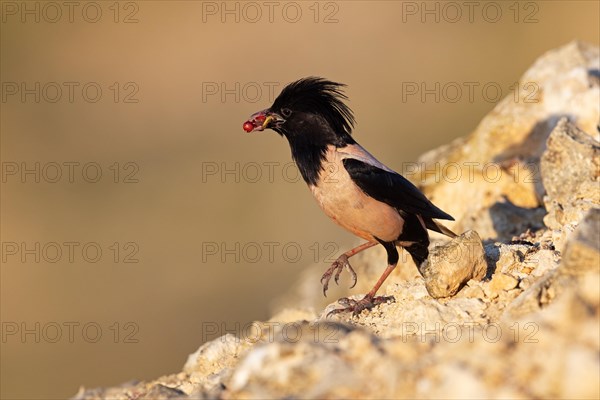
(353, 274)
(337, 267)
(334, 312)
(325, 284)
(337, 276)
(366, 303)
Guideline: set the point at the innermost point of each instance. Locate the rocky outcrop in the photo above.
(513, 316)
(498, 165)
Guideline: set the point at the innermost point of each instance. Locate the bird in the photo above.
(351, 186)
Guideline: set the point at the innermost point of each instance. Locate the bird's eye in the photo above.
(286, 112)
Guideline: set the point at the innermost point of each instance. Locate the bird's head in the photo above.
(310, 109)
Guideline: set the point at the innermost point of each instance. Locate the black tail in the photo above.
(438, 227)
(416, 238)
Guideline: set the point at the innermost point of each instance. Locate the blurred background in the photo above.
(138, 220)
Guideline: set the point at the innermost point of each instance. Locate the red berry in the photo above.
(248, 126)
(260, 118)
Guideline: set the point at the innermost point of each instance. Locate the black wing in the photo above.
(392, 188)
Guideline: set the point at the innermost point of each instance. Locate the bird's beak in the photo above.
(262, 120)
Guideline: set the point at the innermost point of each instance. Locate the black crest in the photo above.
(318, 96)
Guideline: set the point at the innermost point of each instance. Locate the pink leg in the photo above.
(341, 263)
(370, 300)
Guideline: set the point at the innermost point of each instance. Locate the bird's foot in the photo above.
(337, 267)
(356, 307)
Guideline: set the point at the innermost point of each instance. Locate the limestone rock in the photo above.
(571, 166)
(308, 368)
(582, 252)
(570, 169)
(214, 356)
(502, 281)
(450, 266)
